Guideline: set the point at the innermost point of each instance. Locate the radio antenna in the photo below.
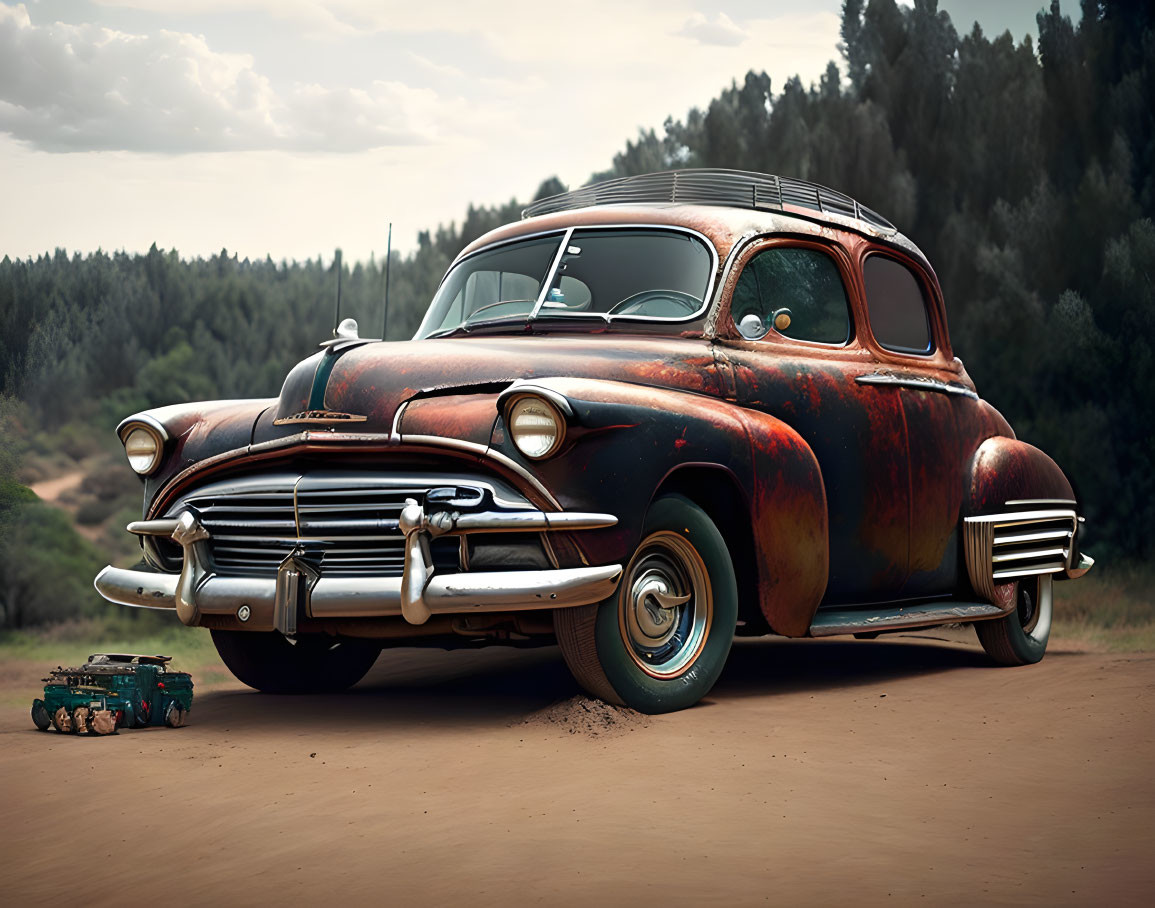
(388, 261)
(337, 312)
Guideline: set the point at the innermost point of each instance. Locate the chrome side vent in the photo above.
(1004, 547)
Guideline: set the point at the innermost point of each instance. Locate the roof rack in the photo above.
(731, 188)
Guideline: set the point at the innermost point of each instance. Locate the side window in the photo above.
(796, 291)
(897, 305)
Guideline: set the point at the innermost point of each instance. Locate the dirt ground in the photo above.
(894, 771)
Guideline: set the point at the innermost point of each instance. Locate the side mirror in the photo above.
(750, 327)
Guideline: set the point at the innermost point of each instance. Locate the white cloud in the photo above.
(85, 87)
(720, 31)
(516, 92)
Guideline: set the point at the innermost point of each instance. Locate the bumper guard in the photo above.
(300, 588)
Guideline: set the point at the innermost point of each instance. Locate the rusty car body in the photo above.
(653, 413)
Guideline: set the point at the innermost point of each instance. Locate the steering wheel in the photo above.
(638, 300)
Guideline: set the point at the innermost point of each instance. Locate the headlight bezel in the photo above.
(151, 430)
(554, 411)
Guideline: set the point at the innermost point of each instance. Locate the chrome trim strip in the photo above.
(1053, 568)
(707, 297)
(1022, 501)
(142, 419)
(1029, 555)
(548, 281)
(527, 386)
(337, 438)
(395, 429)
(152, 527)
(827, 623)
(484, 452)
(916, 383)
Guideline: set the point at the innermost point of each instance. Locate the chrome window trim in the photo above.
(753, 240)
(567, 233)
(928, 303)
(553, 266)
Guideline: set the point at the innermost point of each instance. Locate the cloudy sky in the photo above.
(291, 127)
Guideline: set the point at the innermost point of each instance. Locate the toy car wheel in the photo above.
(62, 720)
(103, 722)
(1020, 638)
(313, 664)
(660, 642)
(174, 715)
(40, 717)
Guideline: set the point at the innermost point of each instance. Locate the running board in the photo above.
(860, 620)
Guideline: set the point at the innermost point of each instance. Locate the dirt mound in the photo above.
(592, 718)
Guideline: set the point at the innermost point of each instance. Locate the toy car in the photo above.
(112, 691)
(654, 413)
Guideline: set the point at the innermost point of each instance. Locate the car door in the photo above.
(906, 327)
(791, 336)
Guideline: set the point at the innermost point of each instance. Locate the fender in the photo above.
(198, 430)
(626, 439)
(1006, 469)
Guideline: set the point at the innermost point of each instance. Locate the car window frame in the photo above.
(842, 262)
(567, 233)
(932, 301)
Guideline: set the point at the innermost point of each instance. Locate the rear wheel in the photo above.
(1020, 638)
(312, 664)
(660, 642)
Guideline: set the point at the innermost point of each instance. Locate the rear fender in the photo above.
(1003, 470)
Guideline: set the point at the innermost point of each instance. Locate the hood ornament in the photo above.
(320, 417)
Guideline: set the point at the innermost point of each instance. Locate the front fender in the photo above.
(626, 440)
(198, 430)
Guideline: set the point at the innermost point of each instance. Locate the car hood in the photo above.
(372, 380)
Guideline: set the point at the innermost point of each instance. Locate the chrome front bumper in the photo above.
(300, 589)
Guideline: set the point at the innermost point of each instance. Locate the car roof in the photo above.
(725, 206)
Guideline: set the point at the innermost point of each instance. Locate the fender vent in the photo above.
(1004, 547)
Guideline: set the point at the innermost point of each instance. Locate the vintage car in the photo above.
(655, 413)
(112, 691)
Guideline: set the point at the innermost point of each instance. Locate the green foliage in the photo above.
(46, 569)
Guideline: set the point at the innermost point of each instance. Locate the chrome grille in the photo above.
(345, 522)
(1003, 547)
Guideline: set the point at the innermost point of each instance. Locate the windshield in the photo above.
(602, 273)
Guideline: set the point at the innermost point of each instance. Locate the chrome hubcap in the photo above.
(666, 605)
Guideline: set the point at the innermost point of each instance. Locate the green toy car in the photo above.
(112, 691)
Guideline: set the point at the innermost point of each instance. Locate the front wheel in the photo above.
(311, 664)
(1020, 638)
(660, 642)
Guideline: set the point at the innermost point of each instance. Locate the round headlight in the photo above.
(143, 450)
(535, 427)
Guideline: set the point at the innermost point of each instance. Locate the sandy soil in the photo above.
(892, 771)
(51, 489)
(50, 492)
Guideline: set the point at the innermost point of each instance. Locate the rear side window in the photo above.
(797, 291)
(897, 305)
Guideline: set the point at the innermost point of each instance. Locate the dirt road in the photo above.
(894, 771)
